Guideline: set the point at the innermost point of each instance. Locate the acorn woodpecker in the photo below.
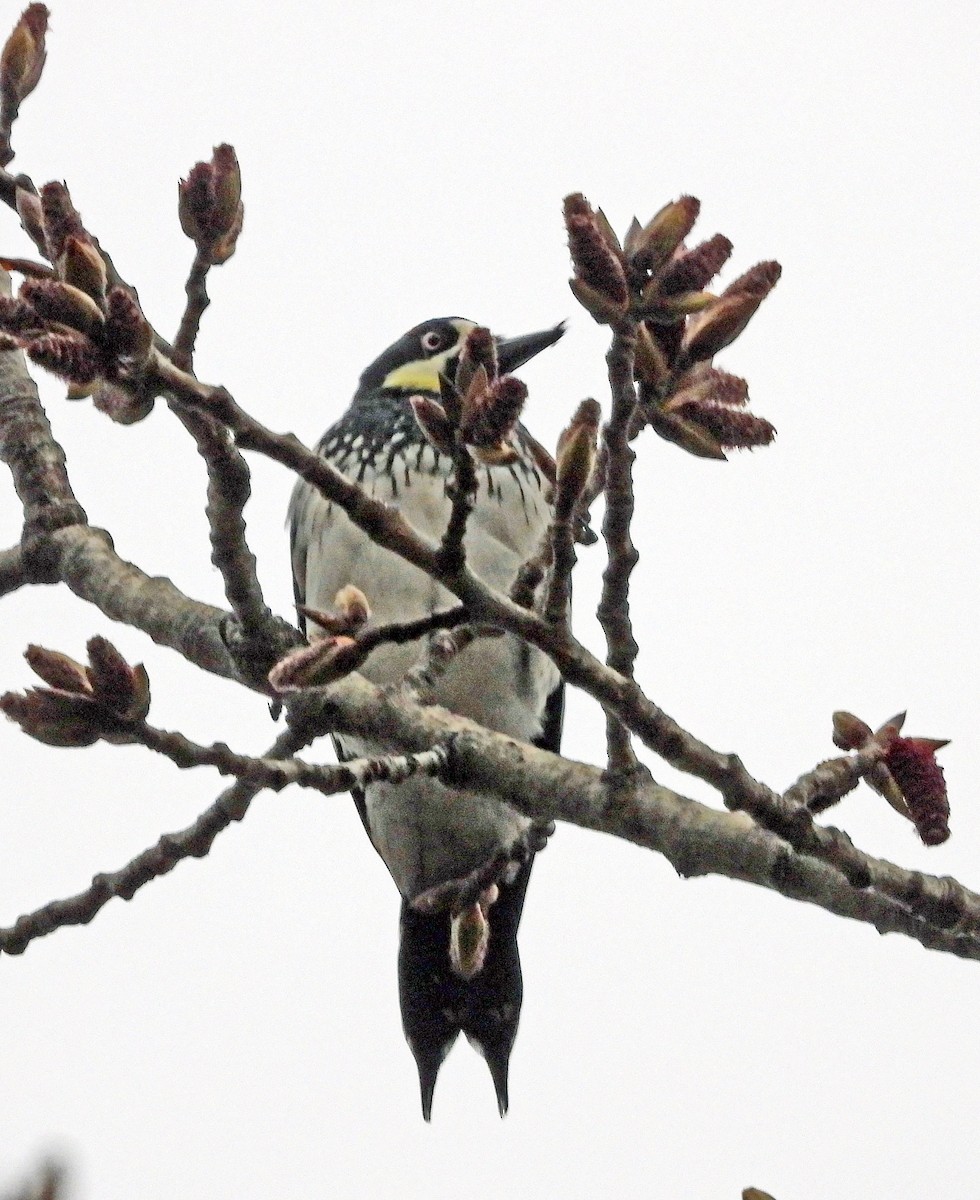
(426, 833)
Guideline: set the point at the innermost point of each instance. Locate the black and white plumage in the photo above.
(425, 832)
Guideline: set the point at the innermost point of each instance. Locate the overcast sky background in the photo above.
(234, 1030)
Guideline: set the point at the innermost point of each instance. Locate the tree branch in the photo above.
(273, 773)
(193, 842)
(697, 840)
(614, 608)
(190, 322)
(12, 572)
(28, 447)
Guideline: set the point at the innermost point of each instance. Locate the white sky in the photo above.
(234, 1031)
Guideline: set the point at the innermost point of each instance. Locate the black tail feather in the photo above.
(437, 1005)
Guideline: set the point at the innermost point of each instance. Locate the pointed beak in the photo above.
(515, 352)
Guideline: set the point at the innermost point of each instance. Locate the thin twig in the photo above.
(531, 573)
(462, 494)
(229, 488)
(613, 611)
(561, 535)
(274, 773)
(190, 323)
(829, 781)
(387, 527)
(193, 842)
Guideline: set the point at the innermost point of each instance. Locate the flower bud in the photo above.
(116, 685)
(61, 219)
(576, 455)
(209, 205)
(598, 266)
(129, 336)
(54, 717)
(469, 939)
(912, 764)
(21, 62)
(62, 302)
(432, 420)
(58, 670)
(693, 270)
(71, 356)
(658, 240)
(81, 265)
(721, 324)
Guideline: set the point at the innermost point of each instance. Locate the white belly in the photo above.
(425, 832)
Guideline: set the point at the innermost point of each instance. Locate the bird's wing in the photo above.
(554, 720)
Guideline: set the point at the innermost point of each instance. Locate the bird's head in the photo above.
(415, 362)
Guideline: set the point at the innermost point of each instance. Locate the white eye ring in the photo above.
(431, 341)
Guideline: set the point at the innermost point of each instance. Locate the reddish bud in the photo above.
(432, 420)
(489, 417)
(63, 303)
(61, 219)
(122, 689)
(650, 363)
(18, 317)
(850, 732)
(81, 265)
(479, 350)
(21, 63)
(658, 240)
(70, 356)
(54, 717)
(672, 427)
(124, 405)
(693, 270)
(129, 337)
(575, 456)
(598, 266)
(58, 670)
(209, 205)
(324, 661)
(912, 764)
(731, 428)
(722, 323)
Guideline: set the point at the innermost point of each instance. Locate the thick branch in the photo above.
(27, 446)
(697, 840)
(12, 572)
(84, 559)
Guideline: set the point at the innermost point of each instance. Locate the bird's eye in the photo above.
(431, 341)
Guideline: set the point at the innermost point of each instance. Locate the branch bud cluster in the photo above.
(908, 775)
(82, 704)
(21, 64)
(209, 205)
(654, 280)
(333, 652)
(71, 325)
(478, 407)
